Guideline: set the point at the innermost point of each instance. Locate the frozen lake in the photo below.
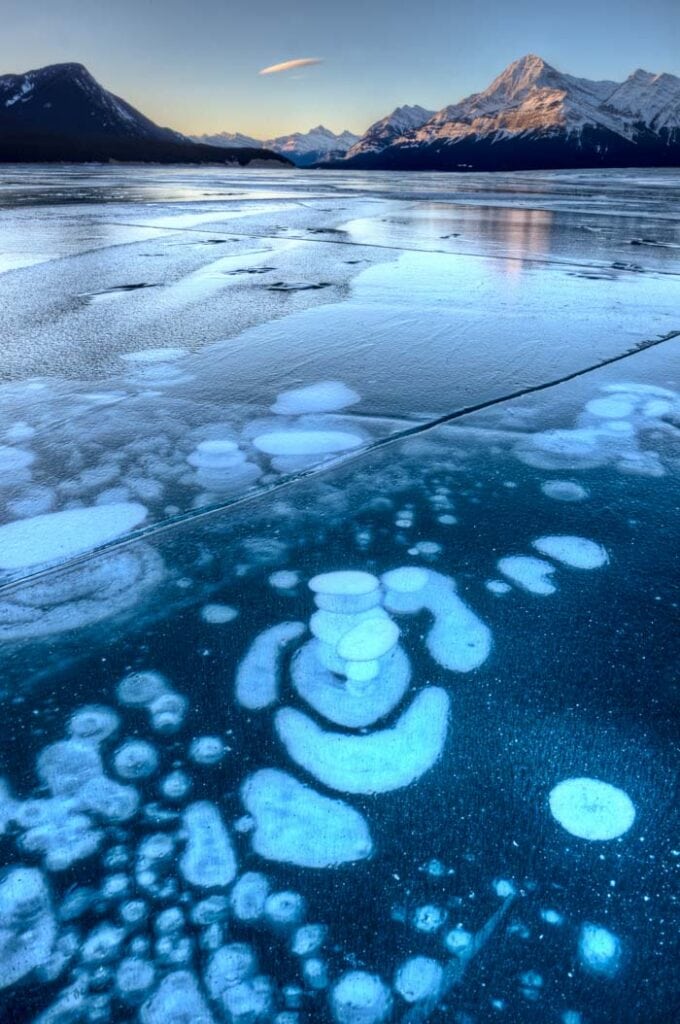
(338, 603)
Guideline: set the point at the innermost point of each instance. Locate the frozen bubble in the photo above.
(115, 887)
(531, 574)
(308, 939)
(168, 712)
(552, 917)
(58, 536)
(458, 641)
(428, 918)
(349, 583)
(374, 763)
(80, 595)
(331, 627)
(155, 355)
(249, 895)
(176, 785)
(12, 459)
(326, 396)
(134, 979)
(169, 921)
(576, 552)
(93, 723)
(257, 676)
(369, 640)
(284, 909)
(34, 501)
(315, 973)
(599, 950)
(208, 859)
(591, 809)
(360, 998)
(360, 672)
(610, 408)
(503, 887)
(307, 442)
(136, 759)
(207, 750)
(418, 978)
(564, 490)
(249, 1001)
(141, 688)
(67, 765)
(284, 579)
(459, 941)
(177, 1000)
(498, 587)
(296, 825)
(28, 927)
(229, 966)
(102, 944)
(109, 799)
(211, 910)
(218, 614)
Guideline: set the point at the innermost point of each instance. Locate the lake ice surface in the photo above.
(315, 710)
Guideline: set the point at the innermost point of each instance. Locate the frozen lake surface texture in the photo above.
(338, 610)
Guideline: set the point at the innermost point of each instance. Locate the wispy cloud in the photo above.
(291, 65)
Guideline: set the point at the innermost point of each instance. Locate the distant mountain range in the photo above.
(532, 117)
(302, 148)
(61, 112)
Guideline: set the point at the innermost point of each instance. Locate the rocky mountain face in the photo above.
(533, 116)
(61, 112)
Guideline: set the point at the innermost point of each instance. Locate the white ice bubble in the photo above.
(308, 939)
(532, 574)
(94, 723)
(207, 750)
(257, 676)
(360, 998)
(498, 587)
(564, 490)
(284, 579)
(208, 859)
(611, 408)
(155, 355)
(377, 762)
(284, 909)
(136, 759)
(228, 966)
(347, 582)
(28, 929)
(369, 640)
(141, 688)
(13, 459)
(177, 999)
(324, 692)
(591, 809)
(249, 895)
(58, 536)
(576, 552)
(459, 941)
(419, 977)
(599, 950)
(296, 825)
(326, 396)
(428, 918)
(307, 442)
(458, 641)
(218, 614)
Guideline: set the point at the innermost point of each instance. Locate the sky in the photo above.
(195, 65)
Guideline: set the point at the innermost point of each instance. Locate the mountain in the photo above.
(386, 131)
(533, 116)
(61, 112)
(302, 148)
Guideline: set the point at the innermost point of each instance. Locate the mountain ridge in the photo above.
(302, 148)
(533, 116)
(61, 112)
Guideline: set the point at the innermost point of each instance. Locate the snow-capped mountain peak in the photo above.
(533, 115)
(303, 148)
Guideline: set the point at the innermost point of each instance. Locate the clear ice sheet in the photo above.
(460, 897)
